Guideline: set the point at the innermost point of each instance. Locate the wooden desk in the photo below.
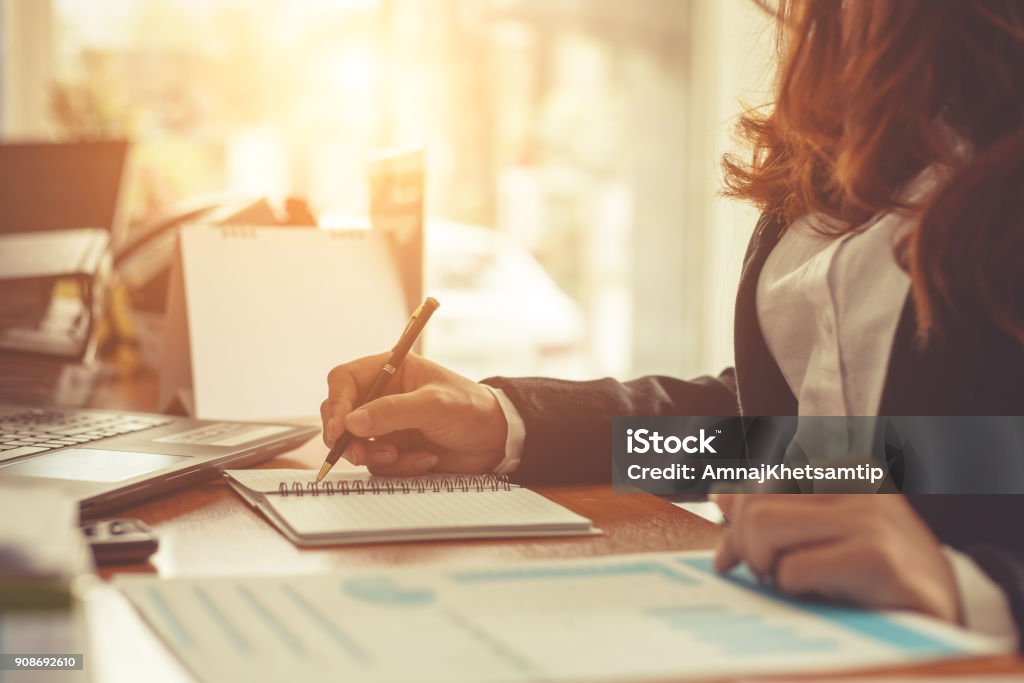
(208, 530)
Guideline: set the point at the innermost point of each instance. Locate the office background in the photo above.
(585, 133)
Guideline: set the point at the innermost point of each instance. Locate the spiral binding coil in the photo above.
(464, 483)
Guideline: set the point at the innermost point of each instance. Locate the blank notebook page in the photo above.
(422, 511)
(388, 512)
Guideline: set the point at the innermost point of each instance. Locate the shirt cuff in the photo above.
(516, 433)
(984, 606)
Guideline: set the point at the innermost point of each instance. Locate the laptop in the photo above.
(108, 459)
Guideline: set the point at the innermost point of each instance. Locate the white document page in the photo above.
(272, 310)
(658, 616)
(40, 538)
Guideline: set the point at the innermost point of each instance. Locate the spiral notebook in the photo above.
(353, 507)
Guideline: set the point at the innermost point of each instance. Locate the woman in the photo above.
(885, 277)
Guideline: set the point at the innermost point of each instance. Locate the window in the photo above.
(558, 132)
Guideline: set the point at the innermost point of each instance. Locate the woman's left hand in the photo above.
(870, 550)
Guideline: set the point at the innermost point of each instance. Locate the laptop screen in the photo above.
(54, 186)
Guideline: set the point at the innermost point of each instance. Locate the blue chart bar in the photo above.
(273, 623)
(324, 624)
(872, 625)
(738, 633)
(166, 614)
(574, 572)
(222, 620)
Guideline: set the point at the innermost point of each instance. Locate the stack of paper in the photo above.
(41, 549)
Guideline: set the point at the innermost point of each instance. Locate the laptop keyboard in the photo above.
(36, 431)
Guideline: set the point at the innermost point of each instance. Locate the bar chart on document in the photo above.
(635, 617)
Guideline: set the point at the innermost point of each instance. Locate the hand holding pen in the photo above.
(422, 417)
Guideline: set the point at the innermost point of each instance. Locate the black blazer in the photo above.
(971, 369)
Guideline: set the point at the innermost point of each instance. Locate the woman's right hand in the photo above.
(430, 418)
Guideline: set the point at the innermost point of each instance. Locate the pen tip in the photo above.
(324, 469)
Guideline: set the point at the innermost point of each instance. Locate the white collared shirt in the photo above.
(828, 308)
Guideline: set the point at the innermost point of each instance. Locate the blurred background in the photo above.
(572, 146)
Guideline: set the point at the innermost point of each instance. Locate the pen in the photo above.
(412, 331)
